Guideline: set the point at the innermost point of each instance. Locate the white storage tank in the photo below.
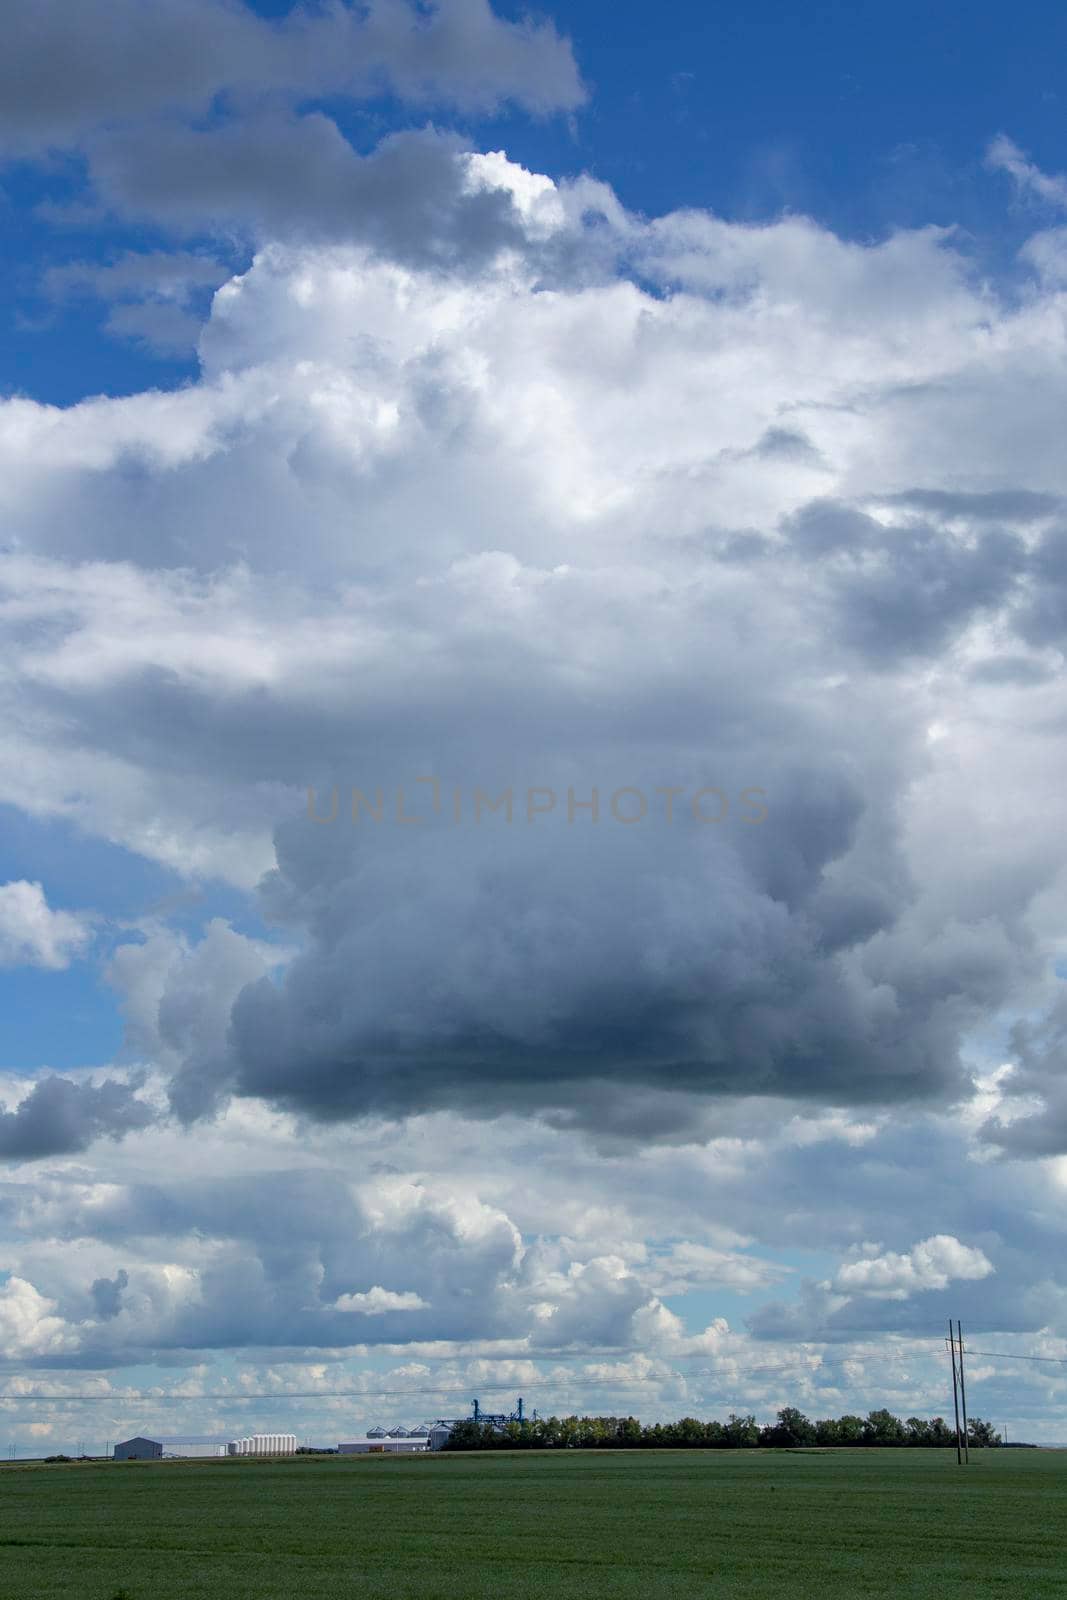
(262, 1444)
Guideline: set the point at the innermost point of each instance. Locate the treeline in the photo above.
(791, 1430)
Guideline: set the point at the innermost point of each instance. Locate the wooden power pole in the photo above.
(955, 1391)
(963, 1395)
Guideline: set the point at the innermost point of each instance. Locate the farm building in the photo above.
(138, 1449)
(169, 1448)
(196, 1448)
(388, 1444)
(263, 1444)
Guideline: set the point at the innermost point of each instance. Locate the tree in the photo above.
(569, 1433)
(882, 1428)
(793, 1428)
(690, 1432)
(741, 1433)
(550, 1432)
(464, 1436)
(981, 1433)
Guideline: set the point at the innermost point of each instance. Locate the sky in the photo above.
(533, 584)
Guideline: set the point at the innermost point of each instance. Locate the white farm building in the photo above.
(263, 1444)
(394, 1441)
(390, 1445)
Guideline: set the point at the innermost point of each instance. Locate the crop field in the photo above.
(612, 1524)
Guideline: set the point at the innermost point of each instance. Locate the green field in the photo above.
(612, 1524)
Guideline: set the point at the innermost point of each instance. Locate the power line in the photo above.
(563, 1382)
(727, 1375)
(1003, 1355)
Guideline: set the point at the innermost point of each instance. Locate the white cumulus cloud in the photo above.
(374, 1302)
(933, 1263)
(33, 935)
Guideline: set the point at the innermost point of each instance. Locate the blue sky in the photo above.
(659, 403)
(868, 117)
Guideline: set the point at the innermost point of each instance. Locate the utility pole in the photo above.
(963, 1395)
(955, 1391)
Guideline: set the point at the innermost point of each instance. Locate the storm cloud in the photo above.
(550, 733)
(59, 1116)
(480, 535)
(65, 72)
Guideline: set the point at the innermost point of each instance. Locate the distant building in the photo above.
(139, 1450)
(378, 1443)
(441, 1431)
(197, 1449)
(262, 1444)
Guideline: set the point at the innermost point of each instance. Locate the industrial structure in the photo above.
(397, 1440)
(194, 1449)
(263, 1444)
(199, 1448)
(181, 1448)
(497, 1419)
(441, 1430)
(139, 1449)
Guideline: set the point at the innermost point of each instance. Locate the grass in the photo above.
(834, 1526)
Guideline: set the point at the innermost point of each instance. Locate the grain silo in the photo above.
(263, 1444)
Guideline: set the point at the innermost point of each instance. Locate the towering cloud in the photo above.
(750, 561)
(603, 675)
